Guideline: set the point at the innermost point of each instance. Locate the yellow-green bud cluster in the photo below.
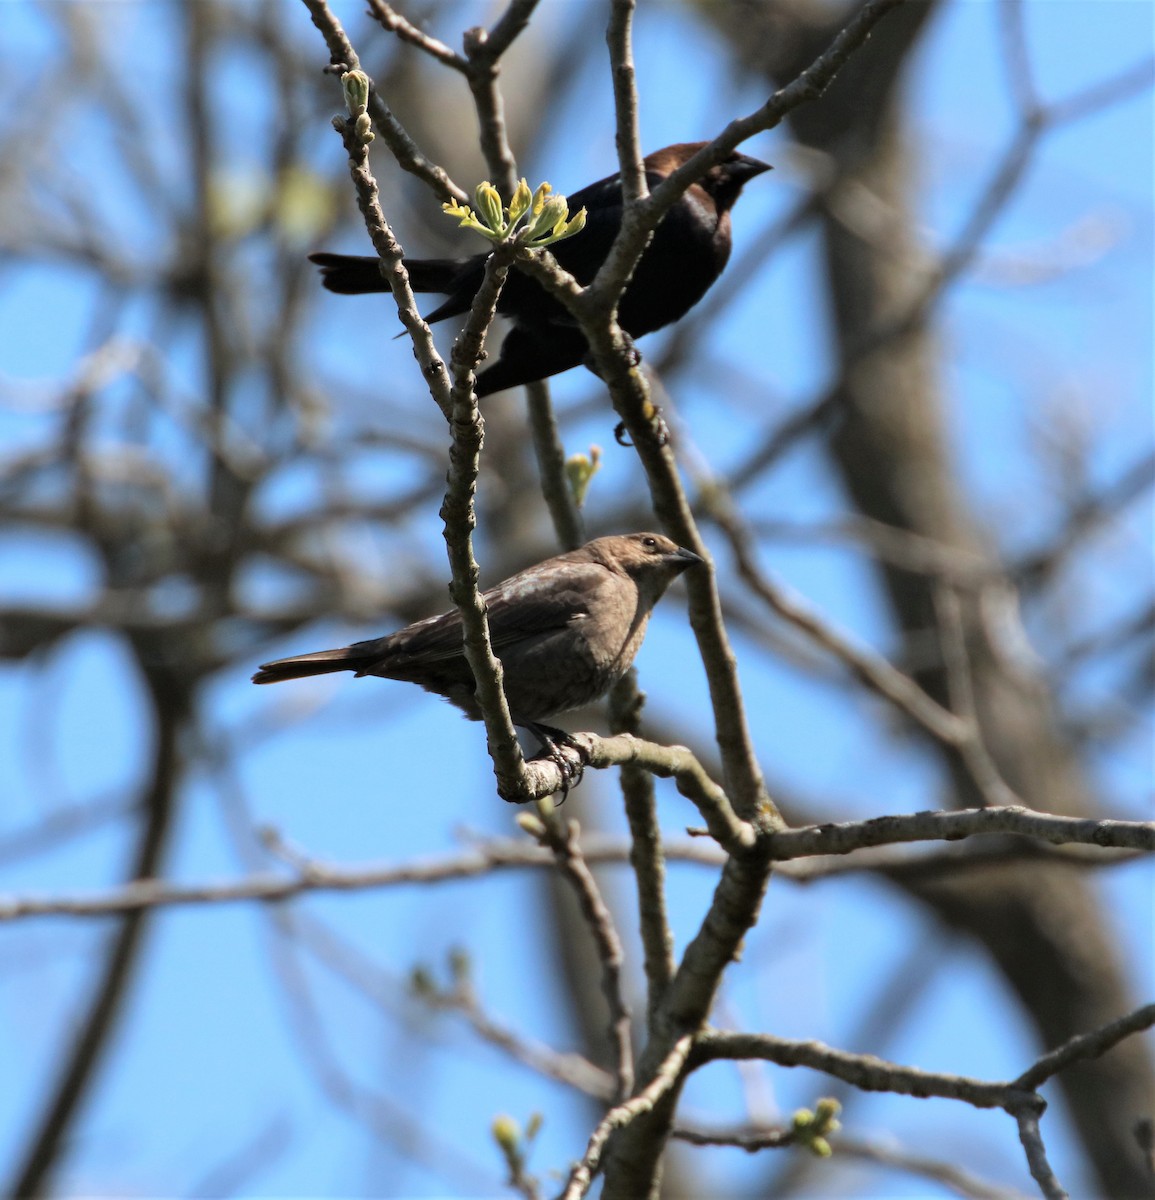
(810, 1128)
(532, 219)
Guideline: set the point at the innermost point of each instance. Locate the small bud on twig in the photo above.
(579, 470)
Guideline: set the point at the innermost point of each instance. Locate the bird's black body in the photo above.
(688, 252)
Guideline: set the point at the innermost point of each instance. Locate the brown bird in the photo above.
(686, 255)
(565, 630)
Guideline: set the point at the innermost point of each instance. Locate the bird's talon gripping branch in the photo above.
(556, 745)
(571, 773)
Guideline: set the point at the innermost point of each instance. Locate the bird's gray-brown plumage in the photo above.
(565, 631)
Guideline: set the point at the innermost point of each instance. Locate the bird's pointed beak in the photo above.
(744, 167)
(687, 556)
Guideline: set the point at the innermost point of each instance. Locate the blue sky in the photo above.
(210, 1053)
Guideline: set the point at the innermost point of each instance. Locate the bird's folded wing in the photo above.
(584, 254)
(520, 609)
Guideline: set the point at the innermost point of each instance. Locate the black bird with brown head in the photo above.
(688, 252)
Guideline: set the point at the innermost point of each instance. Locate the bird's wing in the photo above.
(536, 602)
(524, 607)
(583, 254)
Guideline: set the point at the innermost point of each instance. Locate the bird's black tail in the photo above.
(350, 274)
(320, 662)
(354, 274)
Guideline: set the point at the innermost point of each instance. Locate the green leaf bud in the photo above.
(488, 206)
(355, 85)
(506, 1133)
(579, 470)
(548, 220)
(520, 203)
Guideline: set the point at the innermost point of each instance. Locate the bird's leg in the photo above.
(661, 430)
(552, 740)
(653, 413)
(633, 357)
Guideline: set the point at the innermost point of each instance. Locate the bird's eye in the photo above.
(650, 543)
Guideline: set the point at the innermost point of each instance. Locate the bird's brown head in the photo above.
(723, 182)
(651, 560)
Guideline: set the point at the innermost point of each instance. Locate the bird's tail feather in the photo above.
(435, 274)
(320, 662)
(350, 274)
(354, 274)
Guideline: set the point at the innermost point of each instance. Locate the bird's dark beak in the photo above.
(687, 556)
(743, 167)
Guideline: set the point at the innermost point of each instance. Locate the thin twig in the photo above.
(976, 758)
(1027, 1112)
(872, 1074)
(1097, 96)
(1009, 172)
(810, 840)
(1086, 1045)
(870, 669)
(404, 149)
(619, 38)
(863, 1071)
(667, 762)
(459, 516)
(1087, 515)
(1018, 64)
(642, 217)
(647, 856)
(630, 394)
(483, 50)
(571, 1069)
(392, 257)
(665, 1078)
(948, 826)
(106, 1003)
(568, 525)
(479, 65)
(754, 1140)
(388, 18)
(562, 839)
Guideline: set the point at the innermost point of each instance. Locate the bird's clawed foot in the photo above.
(556, 745)
(659, 430)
